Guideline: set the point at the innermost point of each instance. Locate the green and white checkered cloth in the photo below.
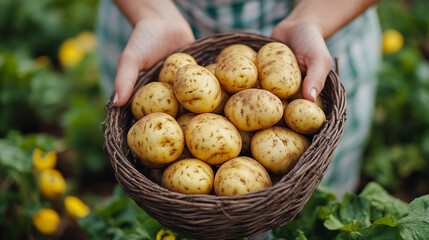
(357, 47)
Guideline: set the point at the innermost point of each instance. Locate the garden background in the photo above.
(56, 181)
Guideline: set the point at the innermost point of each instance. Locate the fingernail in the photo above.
(115, 99)
(313, 93)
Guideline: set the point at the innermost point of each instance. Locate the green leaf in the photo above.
(353, 212)
(388, 221)
(382, 203)
(416, 224)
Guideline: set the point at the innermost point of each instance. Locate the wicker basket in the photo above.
(214, 217)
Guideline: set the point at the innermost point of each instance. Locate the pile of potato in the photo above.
(228, 128)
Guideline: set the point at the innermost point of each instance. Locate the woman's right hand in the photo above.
(159, 29)
(151, 40)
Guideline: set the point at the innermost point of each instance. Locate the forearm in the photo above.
(136, 10)
(329, 15)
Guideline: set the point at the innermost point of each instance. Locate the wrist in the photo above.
(136, 11)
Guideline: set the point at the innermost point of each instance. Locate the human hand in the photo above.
(306, 41)
(151, 40)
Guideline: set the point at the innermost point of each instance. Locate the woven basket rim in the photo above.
(138, 186)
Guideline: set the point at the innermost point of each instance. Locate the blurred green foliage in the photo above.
(373, 214)
(38, 27)
(121, 218)
(38, 94)
(19, 192)
(399, 143)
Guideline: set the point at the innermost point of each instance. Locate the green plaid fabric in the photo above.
(357, 47)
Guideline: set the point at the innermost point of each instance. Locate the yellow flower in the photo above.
(42, 161)
(52, 183)
(46, 220)
(70, 53)
(75, 207)
(392, 41)
(86, 40)
(165, 234)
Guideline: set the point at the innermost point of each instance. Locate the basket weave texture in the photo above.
(216, 217)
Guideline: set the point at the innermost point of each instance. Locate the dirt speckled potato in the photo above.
(278, 148)
(278, 70)
(211, 67)
(236, 73)
(212, 138)
(298, 95)
(172, 64)
(155, 174)
(184, 119)
(240, 176)
(304, 116)
(156, 139)
(253, 109)
(223, 100)
(155, 97)
(197, 89)
(189, 176)
(246, 138)
(237, 49)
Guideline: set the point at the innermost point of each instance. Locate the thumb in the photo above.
(126, 77)
(314, 81)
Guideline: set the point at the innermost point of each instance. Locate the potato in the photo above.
(246, 138)
(197, 89)
(304, 116)
(237, 49)
(212, 67)
(185, 154)
(282, 122)
(236, 73)
(223, 100)
(239, 176)
(299, 95)
(278, 70)
(156, 139)
(212, 138)
(172, 64)
(154, 97)
(278, 148)
(155, 174)
(189, 176)
(253, 109)
(184, 120)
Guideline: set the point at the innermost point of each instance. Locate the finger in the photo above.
(314, 81)
(126, 77)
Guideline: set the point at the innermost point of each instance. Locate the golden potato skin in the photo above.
(304, 116)
(240, 176)
(197, 89)
(278, 148)
(278, 70)
(212, 138)
(318, 101)
(172, 64)
(236, 73)
(246, 138)
(156, 139)
(189, 176)
(223, 100)
(237, 49)
(211, 67)
(155, 174)
(184, 119)
(154, 97)
(253, 109)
